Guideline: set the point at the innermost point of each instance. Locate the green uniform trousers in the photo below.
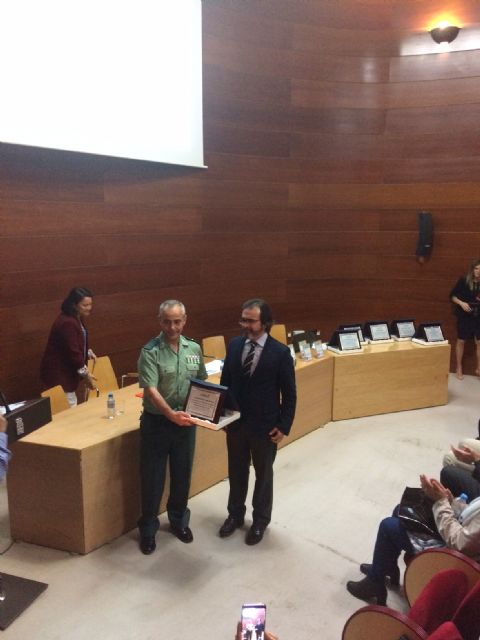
(162, 440)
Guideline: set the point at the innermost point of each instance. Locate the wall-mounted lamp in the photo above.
(444, 34)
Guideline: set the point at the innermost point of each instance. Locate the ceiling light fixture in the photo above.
(444, 34)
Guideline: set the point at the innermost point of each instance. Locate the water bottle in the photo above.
(306, 352)
(459, 503)
(110, 406)
(318, 347)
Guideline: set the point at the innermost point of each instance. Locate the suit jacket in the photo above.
(65, 353)
(267, 398)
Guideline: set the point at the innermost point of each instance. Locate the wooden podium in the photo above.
(74, 484)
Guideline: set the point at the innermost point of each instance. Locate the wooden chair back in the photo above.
(375, 622)
(58, 399)
(102, 369)
(279, 332)
(424, 566)
(214, 347)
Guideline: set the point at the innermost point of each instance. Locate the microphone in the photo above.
(4, 402)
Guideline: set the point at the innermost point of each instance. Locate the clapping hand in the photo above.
(464, 454)
(434, 489)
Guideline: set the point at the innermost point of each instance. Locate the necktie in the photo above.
(247, 363)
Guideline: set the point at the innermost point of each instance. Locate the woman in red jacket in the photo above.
(65, 359)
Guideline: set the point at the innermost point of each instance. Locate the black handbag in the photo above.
(416, 514)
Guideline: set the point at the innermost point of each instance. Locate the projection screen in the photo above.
(110, 77)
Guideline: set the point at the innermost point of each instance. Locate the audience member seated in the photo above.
(472, 444)
(466, 478)
(460, 532)
(4, 452)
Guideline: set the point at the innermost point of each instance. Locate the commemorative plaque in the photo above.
(205, 402)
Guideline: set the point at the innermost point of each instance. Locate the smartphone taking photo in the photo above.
(253, 621)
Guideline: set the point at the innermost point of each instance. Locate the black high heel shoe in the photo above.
(393, 576)
(366, 589)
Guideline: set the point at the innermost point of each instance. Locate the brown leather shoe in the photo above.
(255, 534)
(229, 526)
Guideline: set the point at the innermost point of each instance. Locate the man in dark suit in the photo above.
(259, 372)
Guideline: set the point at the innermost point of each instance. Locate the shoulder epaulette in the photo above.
(192, 340)
(154, 342)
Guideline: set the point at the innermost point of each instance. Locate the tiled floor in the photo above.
(332, 487)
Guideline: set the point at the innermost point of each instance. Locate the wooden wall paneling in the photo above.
(198, 192)
(293, 169)
(458, 244)
(386, 195)
(329, 146)
(324, 266)
(331, 219)
(430, 145)
(37, 287)
(86, 219)
(368, 43)
(452, 91)
(432, 169)
(450, 118)
(338, 120)
(457, 219)
(294, 62)
(28, 173)
(234, 220)
(447, 269)
(224, 139)
(353, 242)
(457, 64)
(53, 252)
(243, 28)
(250, 87)
(261, 116)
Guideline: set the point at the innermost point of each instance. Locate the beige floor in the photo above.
(331, 489)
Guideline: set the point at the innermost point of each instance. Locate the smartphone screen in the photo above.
(253, 621)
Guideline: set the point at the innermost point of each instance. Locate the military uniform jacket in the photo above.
(159, 366)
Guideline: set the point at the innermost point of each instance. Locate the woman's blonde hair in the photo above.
(469, 278)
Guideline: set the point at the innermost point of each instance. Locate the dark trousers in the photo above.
(243, 447)
(162, 440)
(459, 481)
(392, 539)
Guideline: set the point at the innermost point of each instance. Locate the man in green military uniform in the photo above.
(165, 367)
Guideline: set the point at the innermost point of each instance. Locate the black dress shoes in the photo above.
(147, 545)
(255, 534)
(393, 576)
(366, 589)
(184, 534)
(229, 526)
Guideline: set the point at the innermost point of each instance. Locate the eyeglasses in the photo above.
(248, 321)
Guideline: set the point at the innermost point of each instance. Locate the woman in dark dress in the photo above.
(64, 362)
(466, 297)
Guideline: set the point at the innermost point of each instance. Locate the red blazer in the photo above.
(65, 353)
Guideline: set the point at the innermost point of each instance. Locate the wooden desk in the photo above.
(314, 396)
(74, 484)
(390, 377)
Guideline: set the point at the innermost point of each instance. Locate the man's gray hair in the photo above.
(168, 304)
